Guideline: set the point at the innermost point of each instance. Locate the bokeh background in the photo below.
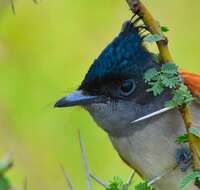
(45, 50)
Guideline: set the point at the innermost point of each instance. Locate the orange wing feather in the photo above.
(192, 81)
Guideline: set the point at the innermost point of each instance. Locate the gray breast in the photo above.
(150, 147)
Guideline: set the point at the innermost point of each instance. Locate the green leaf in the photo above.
(189, 178)
(157, 88)
(153, 38)
(150, 75)
(164, 29)
(185, 93)
(156, 58)
(170, 82)
(168, 77)
(117, 184)
(170, 104)
(181, 96)
(144, 186)
(4, 183)
(5, 165)
(195, 131)
(182, 139)
(169, 68)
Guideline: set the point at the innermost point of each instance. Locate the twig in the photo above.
(68, 180)
(194, 142)
(154, 180)
(99, 181)
(35, 1)
(25, 186)
(86, 169)
(13, 6)
(153, 26)
(12, 3)
(130, 179)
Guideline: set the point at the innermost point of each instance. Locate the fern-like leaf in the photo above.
(169, 68)
(189, 179)
(117, 184)
(182, 139)
(153, 38)
(195, 131)
(151, 75)
(144, 186)
(170, 82)
(181, 96)
(157, 88)
(164, 29)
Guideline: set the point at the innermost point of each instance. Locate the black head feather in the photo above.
(125, 57)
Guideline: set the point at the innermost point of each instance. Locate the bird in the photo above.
(142, 130)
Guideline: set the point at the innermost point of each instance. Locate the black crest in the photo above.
(124, 57)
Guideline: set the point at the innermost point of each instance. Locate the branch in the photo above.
(130, 179)
(68, 179)
(12, 3)
(194, 142)
(85, 162)
(25, 187)
(13, 6)
(153, 26)
(157, 178)
(99, 181)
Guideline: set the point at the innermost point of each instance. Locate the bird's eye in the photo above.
(127, 87)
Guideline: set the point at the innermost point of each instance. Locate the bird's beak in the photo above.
(77, 98)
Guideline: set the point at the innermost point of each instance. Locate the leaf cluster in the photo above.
(4, 166)
(153, 38)
(168, 78)
(144, 186)
(193, 176)
(164, 28)
(181, 96)
(4, 183)
(118, 184)
(195, 131)
(182, 139)
(156, 37)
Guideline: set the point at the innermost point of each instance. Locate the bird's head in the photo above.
(113, 90)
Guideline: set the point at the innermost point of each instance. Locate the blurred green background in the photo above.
(45, 51)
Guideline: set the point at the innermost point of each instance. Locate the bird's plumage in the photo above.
(149, 146)
(123, 58)
(192, 81)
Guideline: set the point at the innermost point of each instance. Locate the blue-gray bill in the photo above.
(77, 98)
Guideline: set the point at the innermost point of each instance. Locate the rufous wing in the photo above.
(192, 81)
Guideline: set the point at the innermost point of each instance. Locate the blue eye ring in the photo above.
(127, 87)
